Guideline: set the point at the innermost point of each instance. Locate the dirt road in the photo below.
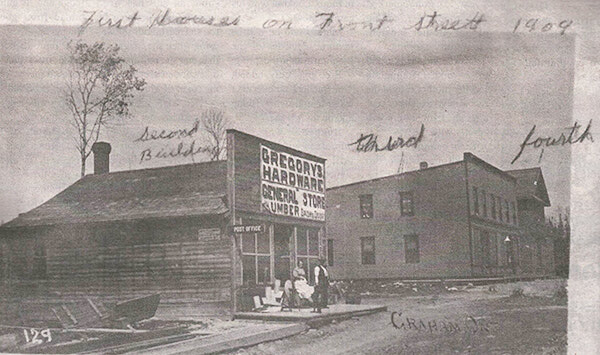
(475, 321)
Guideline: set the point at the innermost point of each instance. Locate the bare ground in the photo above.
(471, 320)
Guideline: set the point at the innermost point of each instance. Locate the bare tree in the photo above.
(99, 90)
(215, 125)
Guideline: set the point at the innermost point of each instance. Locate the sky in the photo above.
(476, 91)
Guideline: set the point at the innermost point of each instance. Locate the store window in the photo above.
(256, 258)
(411, 249)
(367, 250)
(366, 206)
(406, 204)
(308, 250)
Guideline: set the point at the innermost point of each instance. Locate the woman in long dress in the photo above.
(300, 283)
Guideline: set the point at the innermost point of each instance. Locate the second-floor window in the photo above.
(406, 204)
(499, 208)
(484, 203)
(514, 212)
(475, 201)
(366, 206)
(493, 206)
(506, 213)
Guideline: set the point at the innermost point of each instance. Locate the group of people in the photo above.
(318, 294)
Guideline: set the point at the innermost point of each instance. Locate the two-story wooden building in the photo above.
(168, 230)
(455, 220)
(537, 242)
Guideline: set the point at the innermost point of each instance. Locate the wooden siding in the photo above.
(439, 221)
(183, 261)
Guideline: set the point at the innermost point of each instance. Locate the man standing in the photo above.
(321, 286)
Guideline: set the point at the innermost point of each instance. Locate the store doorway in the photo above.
(282, 237)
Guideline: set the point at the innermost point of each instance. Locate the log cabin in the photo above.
(168, 230)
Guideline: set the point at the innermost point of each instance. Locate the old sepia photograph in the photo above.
(337, 177)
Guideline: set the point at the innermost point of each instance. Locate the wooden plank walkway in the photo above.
(335, 311)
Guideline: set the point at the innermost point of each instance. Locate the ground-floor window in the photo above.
(330, 252)
(539, 252)
(3, 261)
(501, 247)
(486, 248)
(367, 250)
(411, 249)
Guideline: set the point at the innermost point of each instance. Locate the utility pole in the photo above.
(401, 167)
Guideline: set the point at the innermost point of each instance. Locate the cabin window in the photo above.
(39, 261)
(330, 252)
(367, 250)
(366, 206)
(411, 249)
(406, 204)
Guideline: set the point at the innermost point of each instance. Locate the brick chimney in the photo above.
(101, 157)
(423, 165)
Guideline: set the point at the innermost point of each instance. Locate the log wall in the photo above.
(184, 261)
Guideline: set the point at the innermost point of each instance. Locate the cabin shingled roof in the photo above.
(172, 191)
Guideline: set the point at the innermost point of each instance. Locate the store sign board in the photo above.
(291, 185)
